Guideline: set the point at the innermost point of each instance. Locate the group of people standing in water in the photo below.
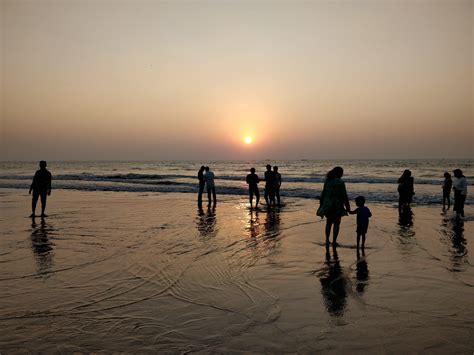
(334, 202)
(406, 191)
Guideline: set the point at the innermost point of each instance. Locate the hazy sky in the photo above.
(105, 79)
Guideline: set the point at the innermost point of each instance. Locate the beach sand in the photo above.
(135, 272)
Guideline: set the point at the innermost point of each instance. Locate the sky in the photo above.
(158, 80)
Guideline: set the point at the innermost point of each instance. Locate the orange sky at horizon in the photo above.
(191, 80)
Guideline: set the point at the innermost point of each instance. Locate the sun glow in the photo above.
(248, 140)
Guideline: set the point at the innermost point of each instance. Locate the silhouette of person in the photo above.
(333, 203)
(333, 285)
(277, 185)
(202, 182)
(211, 188)
(447, 185)
(363, 215)
(405, 190)
(460, 192)
(269, 186)
(41, 187)
(253, 180)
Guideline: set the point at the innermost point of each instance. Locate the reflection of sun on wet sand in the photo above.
(155, 273)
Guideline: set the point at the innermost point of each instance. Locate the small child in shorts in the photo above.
(363, 215)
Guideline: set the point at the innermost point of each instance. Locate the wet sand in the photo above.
(137, 272)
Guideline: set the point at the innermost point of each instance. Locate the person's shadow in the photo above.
(207, 222)
(333, 285)
(42, 246)
(362, 272)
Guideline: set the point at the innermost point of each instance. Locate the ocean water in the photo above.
(375, 179)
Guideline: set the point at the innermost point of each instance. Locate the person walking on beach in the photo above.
(460, 192)
(211, 188)
(269, 186)
(333, 203)
(277, 177)
(447, 185)
(202, 182)
(41, 187)
(252, 181)
(363, 215)
(405, 190)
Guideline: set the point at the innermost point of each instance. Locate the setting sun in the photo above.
(248, 140)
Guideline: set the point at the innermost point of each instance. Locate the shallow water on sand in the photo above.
(134, 273)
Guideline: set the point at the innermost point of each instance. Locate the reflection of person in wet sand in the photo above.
(454, 231)
(253, 225)
(252, 181)
(41, 187)
(272, 224)
(362, 272)
(41, 245)
(206, 222)
(333, 285)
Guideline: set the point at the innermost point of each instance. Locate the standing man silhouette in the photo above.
(211, 187)
(277, 177)
(253, 180)
(41, 186)
(269, 186)
(202, 182)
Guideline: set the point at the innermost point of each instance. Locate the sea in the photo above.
(376, 180)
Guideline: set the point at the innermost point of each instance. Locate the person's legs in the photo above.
(444, 200)
(209, 194)
(257, 197)
(363, 241)
(328, 230)
(201, 190)
(251, 197)
(277, 193)
(44, 196)
(335, 231)
(462, 200)
(358, 240)
(265, 194)
(448, 197)
(34, 201)
(214, 195)
(272, 196)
